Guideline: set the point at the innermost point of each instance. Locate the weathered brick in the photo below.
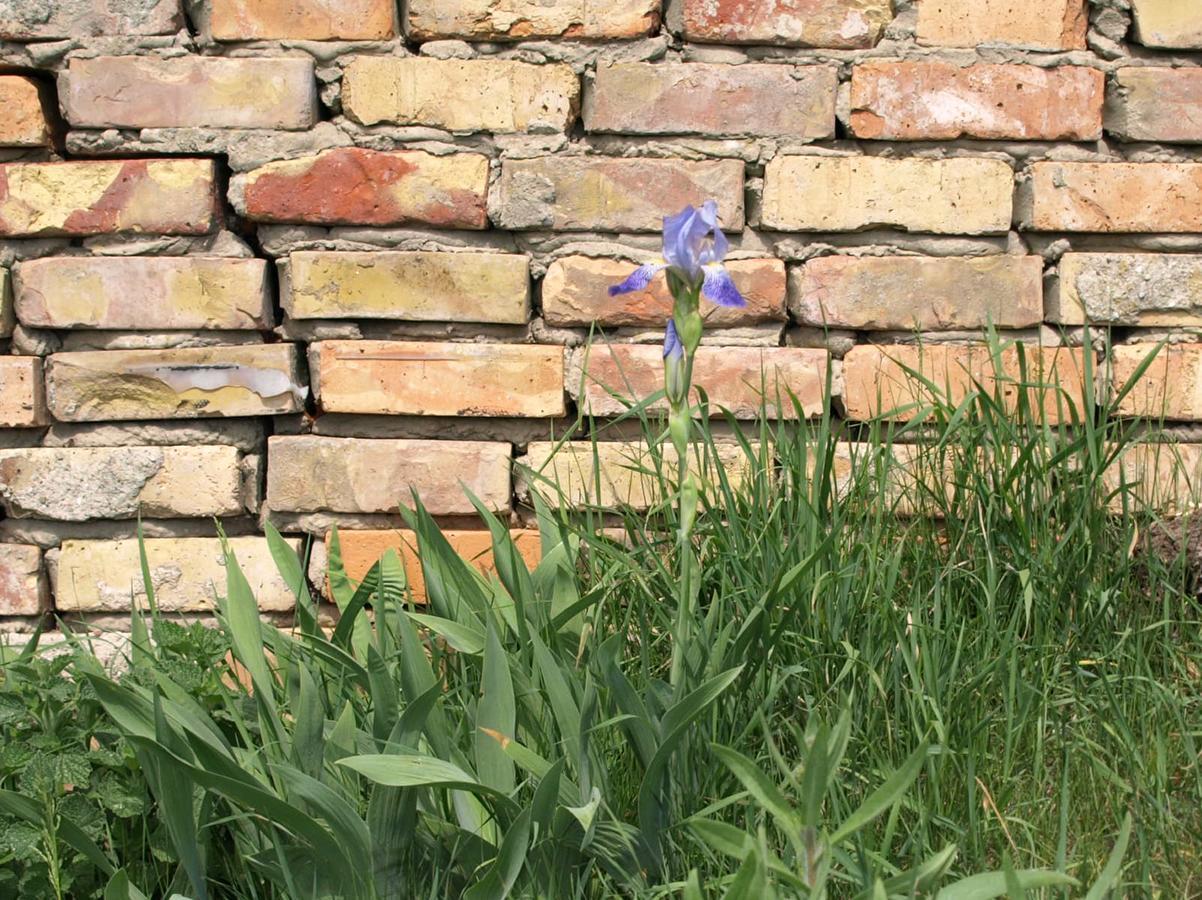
(190, 91)
(421, 378)
(1170, 388)
(303, 20)
(1156, 104)
(1115, 197)
(1166, 478)
(143, 292)
(22, 401)
(461, 95)
(1168, 23)
(187, 574)
(904, 479)
(79, 484)
(244, 380)
(363, 549)
(514, 20)
(889, 381)
(1148, 289)
(699, 98)
(622, 470)
(309, 473)
(22, 20)
(23, 587)
(353, 186)
(838, 24)
(574, 293)
(940, 101)
(852, 193)
(740, 379)
(163, 196)
(1031, 24)
(598, 193)
(414, 286)
(926, 293)
(24, 120)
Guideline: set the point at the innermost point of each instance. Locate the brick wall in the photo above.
(286, 260)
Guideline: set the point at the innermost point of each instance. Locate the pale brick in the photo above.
(244, 380)
(1147, 289)
(80, 484)
(423, 378)
(23, 20)
(309, 473)
(1168, 23)
(303, 20)
(22, 400)
(190, 92)
(24, 120)
(413, 286)
(516, 20)
(354, 186)
(23, 588)
(363, 549)
(739, 379)
(838, 24)
(574, 293)
(1156, 104)
(461, 95)
(8, 316)
(894, 381)
(584, 193)
(1030, 24)
(612, 474)
(163, 196)
(1165, 478)
(915, 292)
(904, 479)
(189, 292)
(1115, 197)
(186, 574)
(698, 98)
(853, 193)
(940, 101)
(1171, 386)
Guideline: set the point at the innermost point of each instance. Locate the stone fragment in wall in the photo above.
(303, 20)
(1153, 103)
(744, 380)
(88, 483)
(136, 292)
(755, 100)
(599, 193)
(249, 380)
(38, 20)
(87, 197)
(961, 195)
(421, 378)
(515, 20)
(1028, 24)
(354, 186)
(918, 292)
(187, 574)
(1116, 197)
(22, 399)
(1143, 289)
(1175, 24)
(23, 587)
(574, 293)
(500, 96)
(941, 101)
(24, 121)
(308, 473)
(245, 434)
(416, 285)
(834, 24)
(1171, 386)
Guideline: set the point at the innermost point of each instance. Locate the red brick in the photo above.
(1171, 386)
(938, 101)
(1115, 197)
(24, 120)
(25, 20)
(1150, 103)
(159, 196)
(698, 98)
(515, 20)
(574, 293)
(23, 589)
(353, 186)
(838, 24)
(22, 399)
(304, 20)
(1031, 24)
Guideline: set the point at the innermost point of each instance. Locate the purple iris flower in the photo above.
(694, 247)
(673, 348)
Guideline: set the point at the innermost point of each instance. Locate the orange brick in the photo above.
(1031, 24)
(305, 20)
(838, 24)
(22, 399)
(1170, 388)
(24, 120)
(1115, 197)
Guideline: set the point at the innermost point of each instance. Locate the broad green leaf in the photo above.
(993, 884)
(766, 793)
(723, 837)
(1109, 876)
(883, 797)
(496, 711)
(409, 770)
(119, 888)
(23, 808)
(463, 638)
(504, 872)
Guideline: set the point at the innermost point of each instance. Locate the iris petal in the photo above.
(719, 287)
(638, 279)
(672, 345)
